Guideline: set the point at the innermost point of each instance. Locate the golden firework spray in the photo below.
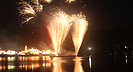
(79, 29)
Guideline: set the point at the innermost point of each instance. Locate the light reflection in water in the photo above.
(30, 58)
(54, 64)
(126, 58)
(57, 64)
(10, 63)
(2, 67)
(46, 63)
(2, 59)
(11, 66)
(33, 62)
(28, 65)
(78, 65)
(11, 58)
(46, 58)
(90, 61)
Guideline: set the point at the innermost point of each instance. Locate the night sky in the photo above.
(110, 22)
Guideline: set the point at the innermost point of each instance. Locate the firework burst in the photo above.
(79, 29)
(29, 9)
(58, 29)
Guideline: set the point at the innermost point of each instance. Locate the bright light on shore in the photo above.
(11, 52)
(89, 48)
(126, 47)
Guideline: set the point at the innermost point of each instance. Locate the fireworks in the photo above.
(29, 9)
(46, 1)
(70, 1)
(59, 24)
(79, 29)
(58, 28)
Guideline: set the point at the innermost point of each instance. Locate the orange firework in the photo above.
(80, 26)
(58, 29)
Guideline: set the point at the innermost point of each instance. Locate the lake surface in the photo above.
(95, 63)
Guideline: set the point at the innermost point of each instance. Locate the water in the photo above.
(95, 63)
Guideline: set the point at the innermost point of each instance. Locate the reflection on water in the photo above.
(126, 58)
(34, 62)
(57, 65)
(90, 61)
(41, 63)
(78, 66)
(65, 64)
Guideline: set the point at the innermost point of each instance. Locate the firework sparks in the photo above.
(70, 1)
(79, 29)
(47, 1)
(36, 5)
(25, 8)
(27, 20)
(58, 29)
(59, 25)
(84, 6)
(29, 8)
